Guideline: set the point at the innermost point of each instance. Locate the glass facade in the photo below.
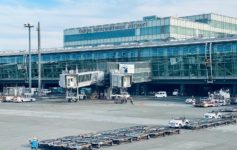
(100, 35)
(167, 61)
(152, 28)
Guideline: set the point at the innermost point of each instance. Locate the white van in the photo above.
(161, 94)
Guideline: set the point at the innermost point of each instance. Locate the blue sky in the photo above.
(56, 15)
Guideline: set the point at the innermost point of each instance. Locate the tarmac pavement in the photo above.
(52, 118)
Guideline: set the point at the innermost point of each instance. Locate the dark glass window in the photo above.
(99, 35)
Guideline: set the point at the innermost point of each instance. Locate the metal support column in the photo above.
(182, 89)
(39, 60)
(208, 62)
(30, 74)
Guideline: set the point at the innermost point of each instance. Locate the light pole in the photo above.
(39, 60)
(30, 75)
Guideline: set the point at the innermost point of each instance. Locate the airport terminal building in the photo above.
(152, 28)
(192, 53)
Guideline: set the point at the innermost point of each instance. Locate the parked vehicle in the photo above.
(121, 95)
(190, 100)
(46, 91)
(8, 98)
(161, 94)
(175, 92)
(221, 97)
(212, 115)
(178, 122)
(204, 102)
(20, 99)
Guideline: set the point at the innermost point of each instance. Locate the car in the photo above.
(161, 94)
(178, 122)
(46, 91)
(190, 100)
(212, 115)
(175, 92)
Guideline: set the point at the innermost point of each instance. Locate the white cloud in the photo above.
(75, 13)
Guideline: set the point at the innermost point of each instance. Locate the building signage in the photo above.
(112, 27)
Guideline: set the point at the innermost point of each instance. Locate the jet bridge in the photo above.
(72, 80)
(120, 75)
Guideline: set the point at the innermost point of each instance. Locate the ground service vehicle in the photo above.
(122, 94)
(122, 98)
(178, 122)
(212, 115)
(204, 102)
(190, 100)
(8, 98)
(175, 92)
(20, 99)
(161, 94)
(45, 91)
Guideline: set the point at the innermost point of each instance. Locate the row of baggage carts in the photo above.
(107, 138)
(207, 123)
(229, 116)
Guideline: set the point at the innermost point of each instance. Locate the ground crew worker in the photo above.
(34, 143)
(131, 100)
